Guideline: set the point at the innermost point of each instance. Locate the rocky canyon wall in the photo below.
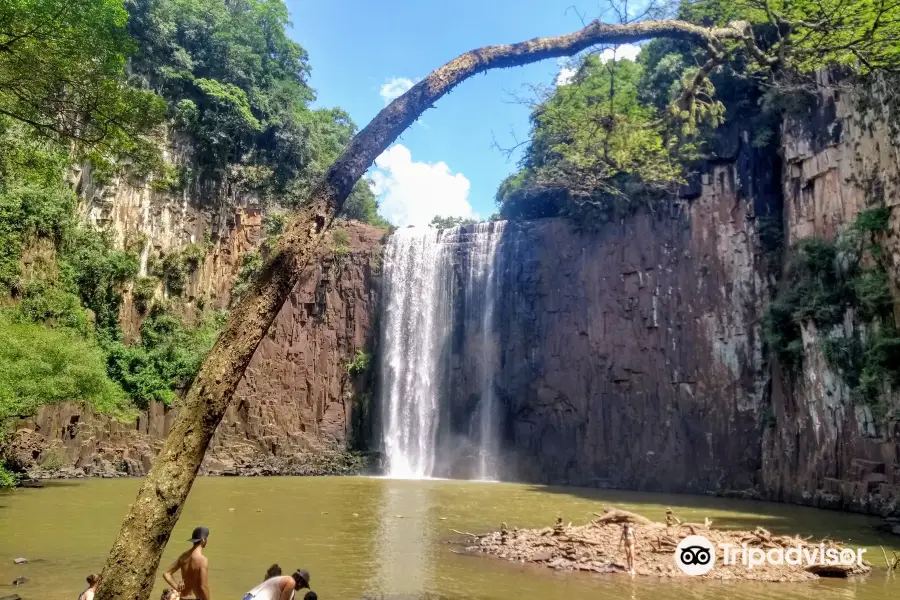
(824, 448)
(292, 411)
(632, 356)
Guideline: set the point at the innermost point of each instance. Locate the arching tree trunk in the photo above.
(132, 564)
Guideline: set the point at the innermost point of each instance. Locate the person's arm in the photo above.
(204, 580)
(287, 590)
(168, 576)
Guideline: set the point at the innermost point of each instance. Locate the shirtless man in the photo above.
(193, 566)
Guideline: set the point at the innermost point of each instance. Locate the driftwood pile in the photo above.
(596, 547)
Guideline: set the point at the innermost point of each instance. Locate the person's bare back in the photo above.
(193, 567)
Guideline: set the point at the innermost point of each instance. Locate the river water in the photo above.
(371, 537)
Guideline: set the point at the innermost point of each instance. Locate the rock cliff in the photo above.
(824, 449)
(633, 356)
(292, 411)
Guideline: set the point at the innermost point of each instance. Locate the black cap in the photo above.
(304, 575)
(200, 534)
(310, 595)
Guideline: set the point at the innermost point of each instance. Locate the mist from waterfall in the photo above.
(424, 272)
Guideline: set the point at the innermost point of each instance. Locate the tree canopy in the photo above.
(62, 70)
(439, 222)
(624, 134)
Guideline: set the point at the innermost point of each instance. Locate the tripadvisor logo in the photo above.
(696, 555)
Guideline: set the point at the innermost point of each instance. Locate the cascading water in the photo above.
(424, 269)
(481, 295)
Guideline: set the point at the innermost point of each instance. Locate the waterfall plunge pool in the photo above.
(367, 537)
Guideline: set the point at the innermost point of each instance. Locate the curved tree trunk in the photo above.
(132, 564)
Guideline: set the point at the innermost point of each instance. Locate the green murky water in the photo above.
(372, 537)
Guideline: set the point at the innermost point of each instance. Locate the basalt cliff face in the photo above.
(823, 448)
(634, 356)
(292, 412)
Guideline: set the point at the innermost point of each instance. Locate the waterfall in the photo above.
(424, 272)
(481, 291)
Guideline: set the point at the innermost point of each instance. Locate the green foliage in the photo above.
(873, 220)
(167, 358)
(596, 150)
(173, 272)
(782, 333)
(8, 479)
(360, 363)
(193, 256)
(40, 365)
(274, 224)
(340, 242)
(98, 272)
(143, 292)
(62, 63)
(251, 264)
(439, 222)
(825, 280)
(34, 200)
(45, 302)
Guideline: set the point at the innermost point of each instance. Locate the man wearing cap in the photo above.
(193, 566)
(280, 588)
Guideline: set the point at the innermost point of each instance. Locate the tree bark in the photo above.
(131, 566)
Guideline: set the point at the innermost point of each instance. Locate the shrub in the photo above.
(44, 302)
(8, 479)
(825, 279)
(360, 363)
(874, 220)
(173, 272)
(251, 263)
(167, 359)
(193, 256)
(40, 365)
(143, 292)
(340, 242)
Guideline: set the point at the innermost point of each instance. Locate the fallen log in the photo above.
(616, 515)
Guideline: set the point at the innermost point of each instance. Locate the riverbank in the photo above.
(299, 465)
(596, 547)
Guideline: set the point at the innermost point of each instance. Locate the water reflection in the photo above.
(404, 541)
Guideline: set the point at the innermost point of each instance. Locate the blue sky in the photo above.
(361, 51)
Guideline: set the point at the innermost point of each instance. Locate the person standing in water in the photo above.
(628, 540)
(193, 566)
(280, 588)
(93, 582)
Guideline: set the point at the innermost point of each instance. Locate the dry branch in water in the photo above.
(131, 566)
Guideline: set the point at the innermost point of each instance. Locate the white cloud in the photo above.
(412, 193)
(629, 51)
(395, 87)
(565, 75)
(567, 71)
